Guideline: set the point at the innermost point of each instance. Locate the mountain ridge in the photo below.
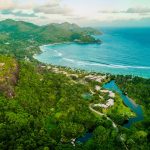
(50, 33)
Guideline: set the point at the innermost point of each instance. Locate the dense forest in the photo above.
(48, 111)
(44, 107)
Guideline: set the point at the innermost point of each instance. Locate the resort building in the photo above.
(109, 103)
(95, 78)
(111, 94)
(97, 88)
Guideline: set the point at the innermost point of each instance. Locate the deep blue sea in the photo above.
(123, 51)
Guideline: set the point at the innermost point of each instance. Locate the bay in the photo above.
(123, 51)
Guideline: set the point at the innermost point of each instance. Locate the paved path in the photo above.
(113, 124)
(101, 114)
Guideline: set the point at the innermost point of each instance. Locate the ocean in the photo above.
(123, 51)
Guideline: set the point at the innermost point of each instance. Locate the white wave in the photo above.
(80, 63)
(42, 48)
(119, 66)
(58, 53)
(52, 44)
(68, 59)
(83, 63)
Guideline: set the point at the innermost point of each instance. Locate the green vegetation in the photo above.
(22, 39)
(45, 107)
(137, 88)
(119, 112)
(8, 75)
(48, 110)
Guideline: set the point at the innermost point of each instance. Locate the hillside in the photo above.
(22, 39)
(48, 33)
(46, 107)
(8, 75)
(50, 110)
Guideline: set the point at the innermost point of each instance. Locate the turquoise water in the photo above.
(123, 51)
(128, 102)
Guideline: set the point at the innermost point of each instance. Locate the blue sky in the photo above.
(82, 12)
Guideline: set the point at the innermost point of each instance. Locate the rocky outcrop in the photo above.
(8, 77)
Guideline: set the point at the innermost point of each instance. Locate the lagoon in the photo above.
(128, 102)
(137, 109)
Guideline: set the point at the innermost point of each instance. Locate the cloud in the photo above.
(108, 11)
(143, 22)
(15, 8)
(48, 11)
(139, 10)
(52, 8)
(22, 9)
(18, 13)
(6, 4)
(18, 4)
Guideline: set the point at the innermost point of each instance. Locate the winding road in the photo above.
(113, 124)
(101, 114)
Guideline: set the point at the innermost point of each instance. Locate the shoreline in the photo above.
(51, 44)
(56, 44)
(133, 102)
(83, 69)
